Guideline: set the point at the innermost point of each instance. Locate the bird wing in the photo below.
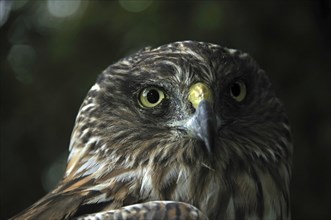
(68, 200)
(81, 204)
(166, 210)
(60, 206)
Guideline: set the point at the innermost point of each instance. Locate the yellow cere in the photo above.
(198, 92)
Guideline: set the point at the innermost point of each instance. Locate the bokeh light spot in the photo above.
(22, 59)
(135, 5)
(4, 11)
(53, 174)
(63, 8)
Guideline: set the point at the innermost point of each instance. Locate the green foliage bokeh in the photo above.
(50, 56)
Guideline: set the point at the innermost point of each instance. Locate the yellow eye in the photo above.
(238, 91)
(151, 97)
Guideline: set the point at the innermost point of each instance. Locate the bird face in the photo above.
(189, 121)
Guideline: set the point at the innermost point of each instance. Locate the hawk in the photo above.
(187, 130)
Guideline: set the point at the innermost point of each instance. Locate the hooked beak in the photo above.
(203, 123)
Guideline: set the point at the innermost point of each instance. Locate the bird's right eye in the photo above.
(151, 97)
(238, 91)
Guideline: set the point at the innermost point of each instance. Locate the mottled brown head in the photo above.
(188, 121)
(113, 121)
(145, 115)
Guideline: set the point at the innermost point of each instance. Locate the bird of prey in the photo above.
(187, 130)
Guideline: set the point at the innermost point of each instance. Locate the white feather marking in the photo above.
(194, 54)
(72, 151)
(72, 142)
(125, 62)
(95, 87)
(183, 186)
(178, 70)
(99, 198)
(87, 106)
(271, 152)
(231, 51)
(124, 177)
(90, 166)
(243, 55)
(180, 175)
(84, 133)
(213, 190)
(78, 153)
(230, 212)
(146, 183)
(101, 186)
(286, 126)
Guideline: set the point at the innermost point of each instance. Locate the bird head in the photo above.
(173, 119)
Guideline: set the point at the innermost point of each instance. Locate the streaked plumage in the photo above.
(212, 135)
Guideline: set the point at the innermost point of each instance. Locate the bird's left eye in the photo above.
(238, 91)
(151, 97)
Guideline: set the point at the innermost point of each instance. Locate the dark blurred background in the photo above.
(52, 51)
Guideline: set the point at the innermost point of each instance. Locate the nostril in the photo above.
(191, 109)
(182, 131)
